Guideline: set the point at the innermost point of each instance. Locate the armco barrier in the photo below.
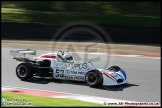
(32, 31)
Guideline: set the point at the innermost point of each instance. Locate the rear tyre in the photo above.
(94, 78)
(114, 68)
(24, 71)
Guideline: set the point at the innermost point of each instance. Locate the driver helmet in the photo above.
(68, 57)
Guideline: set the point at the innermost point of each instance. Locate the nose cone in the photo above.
(124, 73)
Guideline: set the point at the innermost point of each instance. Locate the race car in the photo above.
(59, 65)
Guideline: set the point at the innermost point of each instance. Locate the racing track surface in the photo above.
(143, 79)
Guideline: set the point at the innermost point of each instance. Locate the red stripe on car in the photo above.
(112, 76)
(47, 56)
(109, 77)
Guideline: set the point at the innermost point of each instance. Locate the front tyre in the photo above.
(114, 68)
(24, 71)
(94, 78)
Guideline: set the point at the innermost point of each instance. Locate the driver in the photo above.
(68, 57)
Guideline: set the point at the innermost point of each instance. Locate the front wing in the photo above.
(118, 79)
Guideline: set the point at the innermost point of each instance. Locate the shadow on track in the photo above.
(39, 80)
(46, 80)
(117, 88)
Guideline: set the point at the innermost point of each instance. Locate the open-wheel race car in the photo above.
(62, 66)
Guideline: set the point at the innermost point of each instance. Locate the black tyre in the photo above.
(114, 68)
(94, 78)
(24, 71)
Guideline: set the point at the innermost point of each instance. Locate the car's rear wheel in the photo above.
(114, 68)
(94, 78)
(24, 71)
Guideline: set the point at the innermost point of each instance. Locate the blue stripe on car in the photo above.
(120, 76)
(123, 72)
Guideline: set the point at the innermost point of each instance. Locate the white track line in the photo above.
(88, 98)
(106, 54)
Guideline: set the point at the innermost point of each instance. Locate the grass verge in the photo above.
(43, 101)
(24, 16)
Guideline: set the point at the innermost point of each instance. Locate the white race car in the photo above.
(62, 66)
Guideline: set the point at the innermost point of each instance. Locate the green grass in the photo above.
(42, 101)
(53, 18)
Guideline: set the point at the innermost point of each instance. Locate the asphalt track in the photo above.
(143, 79)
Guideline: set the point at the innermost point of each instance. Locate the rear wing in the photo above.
(22, 52)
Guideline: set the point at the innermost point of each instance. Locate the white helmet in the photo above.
(68, 57)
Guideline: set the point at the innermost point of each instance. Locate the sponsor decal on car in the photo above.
(67, 71)
(82, 73)
(71, 65)
(80, 78)
(73, 72)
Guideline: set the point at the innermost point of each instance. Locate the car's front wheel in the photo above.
(24, 71)
(94, 78)
(114, 68)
